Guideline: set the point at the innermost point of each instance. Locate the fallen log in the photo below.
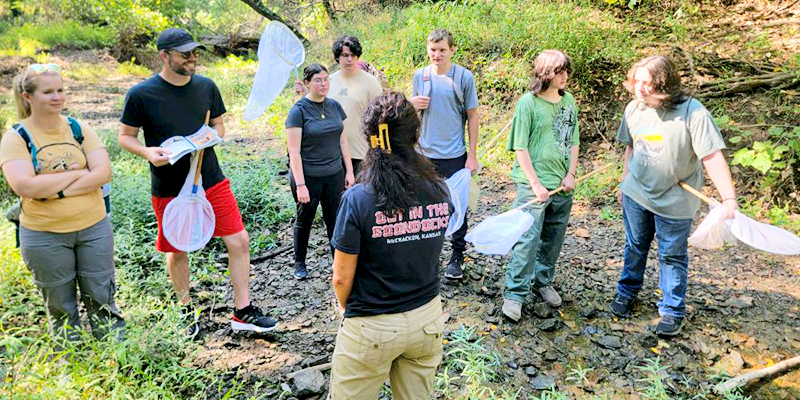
(743, 379)
(270, 254)
(725, 87)
(229, 44)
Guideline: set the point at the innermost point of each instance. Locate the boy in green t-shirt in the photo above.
(544, 137)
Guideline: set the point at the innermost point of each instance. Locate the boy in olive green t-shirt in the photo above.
(544, 136)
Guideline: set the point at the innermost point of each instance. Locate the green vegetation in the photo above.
(498, 40)
(29, 39)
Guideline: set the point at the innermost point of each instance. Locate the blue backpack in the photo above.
(74, 126)
(77, 133)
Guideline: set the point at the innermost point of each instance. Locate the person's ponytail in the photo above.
(19, 85)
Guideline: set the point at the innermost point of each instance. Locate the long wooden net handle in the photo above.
(577, 181)
(697, 193)
(200, 156)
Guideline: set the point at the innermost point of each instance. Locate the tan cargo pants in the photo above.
(406, 346)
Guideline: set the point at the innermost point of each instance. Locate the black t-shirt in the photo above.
(398, 257)
(164, 110)
(319, 147)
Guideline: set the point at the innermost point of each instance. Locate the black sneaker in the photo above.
(454, 270)
(300, 271)
(621, 306)
(190, 317)
(669, 326)
(252, 319)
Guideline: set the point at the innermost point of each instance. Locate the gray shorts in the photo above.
(63, 262)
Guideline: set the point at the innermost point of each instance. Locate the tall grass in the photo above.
(62, 35)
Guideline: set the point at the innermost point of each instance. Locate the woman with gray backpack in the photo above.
(57, 166)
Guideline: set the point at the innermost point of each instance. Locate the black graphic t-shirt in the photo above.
(398, 257)
(164, 110)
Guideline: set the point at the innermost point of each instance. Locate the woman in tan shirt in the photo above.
(57, 166)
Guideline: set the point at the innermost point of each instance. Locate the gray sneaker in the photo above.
(512, 309)
(550, 296)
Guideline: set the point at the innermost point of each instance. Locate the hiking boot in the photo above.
(252, 319)
(669, 326)
(621, 306)
(512, 309)
(191, 318)
(454, 270)
(300, 271)
(550, 296)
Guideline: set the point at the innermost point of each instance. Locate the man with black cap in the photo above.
(175, 102)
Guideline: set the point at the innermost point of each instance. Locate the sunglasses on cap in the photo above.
(39, 68)
(185, 54)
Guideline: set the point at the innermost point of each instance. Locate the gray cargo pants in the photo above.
(59, 261)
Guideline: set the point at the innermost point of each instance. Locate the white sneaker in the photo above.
(512, 309)
(550, 296)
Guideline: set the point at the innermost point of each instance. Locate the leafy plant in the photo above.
(655, 389)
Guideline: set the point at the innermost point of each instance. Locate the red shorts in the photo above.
(226, 211)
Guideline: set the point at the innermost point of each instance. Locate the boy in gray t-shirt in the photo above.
(445, 95)
(669, 138)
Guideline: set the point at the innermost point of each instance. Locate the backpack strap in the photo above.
(458, 81)
(426, 81)
(23, 133)
(75, 127)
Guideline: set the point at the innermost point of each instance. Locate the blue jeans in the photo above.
(641, 226)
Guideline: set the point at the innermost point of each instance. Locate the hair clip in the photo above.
(381, 139)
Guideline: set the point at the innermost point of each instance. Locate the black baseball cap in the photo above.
(178, 40)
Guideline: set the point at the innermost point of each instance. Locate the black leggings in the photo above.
(323, 189)
(446, 168)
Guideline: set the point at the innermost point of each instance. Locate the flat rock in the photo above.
(542, 382)
(530, 371)
(542, 310)
(549, 325)
(587, 312)
(610, 342)
(739, 302)
(591, 330)
(648, 341)
(309, 383)
(550, 355)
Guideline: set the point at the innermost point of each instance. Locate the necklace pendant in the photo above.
(322, 116)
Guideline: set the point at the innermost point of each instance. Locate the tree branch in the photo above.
(260, 8)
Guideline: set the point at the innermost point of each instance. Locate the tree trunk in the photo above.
(260, 8)
(329, 9)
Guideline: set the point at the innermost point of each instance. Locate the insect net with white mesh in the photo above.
(279, 52)
(188, 222)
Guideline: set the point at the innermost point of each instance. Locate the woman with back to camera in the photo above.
(57, 166)
(388, 239)
(317, 146)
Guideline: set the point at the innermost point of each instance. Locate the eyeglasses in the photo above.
(348, 55)
(39, 68)
(186, 54)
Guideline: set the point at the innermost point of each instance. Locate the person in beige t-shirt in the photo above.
(353, 88)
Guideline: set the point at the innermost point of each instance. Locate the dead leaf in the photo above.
(582, 233)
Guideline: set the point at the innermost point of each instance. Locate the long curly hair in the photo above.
(400, 175)
(665, 77)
